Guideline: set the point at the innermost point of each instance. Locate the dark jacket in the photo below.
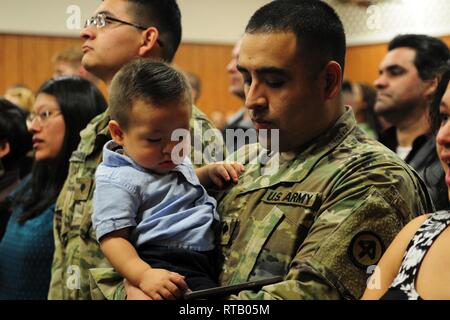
(424, 159)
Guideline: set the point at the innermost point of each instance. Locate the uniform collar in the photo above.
(113, 156)
(96, 131)
(295, 166)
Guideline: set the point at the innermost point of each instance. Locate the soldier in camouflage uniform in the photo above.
(321, 210)
(117, 38)
(337, 198)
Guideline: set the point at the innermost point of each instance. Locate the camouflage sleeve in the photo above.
(56, 289)
(355, 226)
(207, 143)
(106, 283)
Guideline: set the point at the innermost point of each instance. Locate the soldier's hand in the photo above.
(161, 284)
(223, 172)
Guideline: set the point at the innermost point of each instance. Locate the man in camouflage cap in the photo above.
(336, 199)
(322, 206)
(120, 31)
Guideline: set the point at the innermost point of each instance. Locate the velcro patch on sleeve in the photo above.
(366, 249)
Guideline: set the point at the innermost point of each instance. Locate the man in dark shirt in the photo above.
(406, 84)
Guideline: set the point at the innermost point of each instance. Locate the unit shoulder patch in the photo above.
(365, 249)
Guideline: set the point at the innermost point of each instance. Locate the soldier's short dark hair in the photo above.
(154, 82)
(431, 53)
(318, 29)
(165, 16)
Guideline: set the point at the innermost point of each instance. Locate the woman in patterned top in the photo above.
(417, 264)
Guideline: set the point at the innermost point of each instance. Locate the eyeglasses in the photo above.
(100, 20)
(42, 117)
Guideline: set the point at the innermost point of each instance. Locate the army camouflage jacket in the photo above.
(76, 247)
(322, 220)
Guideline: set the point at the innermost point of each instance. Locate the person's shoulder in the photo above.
(122, 172)
(400, 244)
(364, 162)
(362, 142)
(197, 113)
(415, 224)
(407, 233)
(392, 259)
(97, 124)
(200, 123)
(359, 146)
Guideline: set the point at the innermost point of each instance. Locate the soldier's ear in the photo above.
(333, 79)
(4, 148)
(116, 132)
(149, 43)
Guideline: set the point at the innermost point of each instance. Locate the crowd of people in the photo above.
(344, 195)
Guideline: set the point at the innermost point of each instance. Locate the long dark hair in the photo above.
(13, 129)
(79, 101)
(439, 93)
(435, 121)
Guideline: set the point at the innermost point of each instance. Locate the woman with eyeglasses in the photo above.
(63, 107)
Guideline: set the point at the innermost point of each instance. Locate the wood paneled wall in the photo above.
(209, 63)
(27, 60)
(361, 63)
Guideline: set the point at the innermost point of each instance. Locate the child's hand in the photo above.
(223, 172)
(161, 284)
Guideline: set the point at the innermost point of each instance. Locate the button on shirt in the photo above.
(172, 209)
